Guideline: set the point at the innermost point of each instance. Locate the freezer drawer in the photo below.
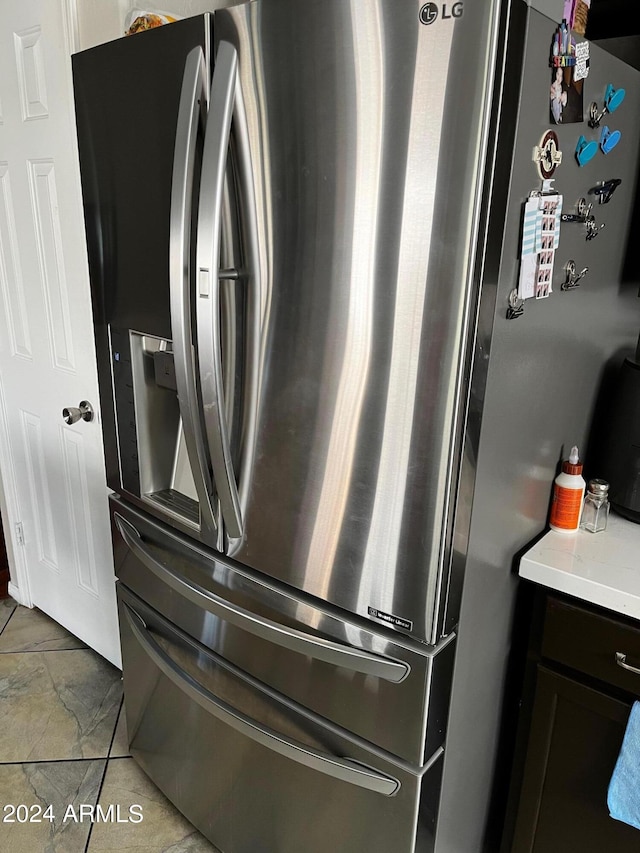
(393, 694)
(252, 771)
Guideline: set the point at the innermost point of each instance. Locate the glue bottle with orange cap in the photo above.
(568, 493)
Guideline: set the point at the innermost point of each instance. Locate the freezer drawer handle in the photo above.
(214, 158)
(191, 114)
(343, 769)
(356, 660)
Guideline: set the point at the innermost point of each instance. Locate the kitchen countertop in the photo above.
(602, 568)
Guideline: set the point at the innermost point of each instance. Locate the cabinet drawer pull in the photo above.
(621, 661)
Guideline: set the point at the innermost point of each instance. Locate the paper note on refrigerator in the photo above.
(540, 239)
(529, 227)
(526, 284)
(581, 68)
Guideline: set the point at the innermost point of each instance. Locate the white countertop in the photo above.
(603, 568)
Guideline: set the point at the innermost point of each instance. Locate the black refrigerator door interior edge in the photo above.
(281, 283)
(141, 112)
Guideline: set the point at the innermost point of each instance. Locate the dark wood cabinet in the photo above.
(578, 717)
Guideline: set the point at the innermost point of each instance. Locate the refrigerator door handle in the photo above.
(339, 768)
(214, 159)
(191, 116)
(353, 659)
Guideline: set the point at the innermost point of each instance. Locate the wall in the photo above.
(98, 21)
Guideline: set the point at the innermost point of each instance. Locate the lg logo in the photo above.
(430, 11)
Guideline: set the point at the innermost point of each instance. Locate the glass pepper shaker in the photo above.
(595, 510)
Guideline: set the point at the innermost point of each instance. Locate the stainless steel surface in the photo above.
(331, 662)
(190, 121)
(621, 659)
(214, 162)
(311, 758)
(279, 755)
(536, 384)
(486, 101)
(598, 487)
(315, 647)
(365, 184)
(158, 426)
(73, 414)
(86, 410)
(181, 476)
(242, 318)
(228, 275)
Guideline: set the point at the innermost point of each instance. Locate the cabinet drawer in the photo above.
(589, 643)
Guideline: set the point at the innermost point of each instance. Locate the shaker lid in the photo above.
(598, 487)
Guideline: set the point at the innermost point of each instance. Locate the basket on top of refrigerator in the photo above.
(139, 20)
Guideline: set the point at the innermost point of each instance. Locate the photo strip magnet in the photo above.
(566, 96)
(540, 240)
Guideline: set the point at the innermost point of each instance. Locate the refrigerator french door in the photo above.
(306, 289)
(140, 132)
(282, 210)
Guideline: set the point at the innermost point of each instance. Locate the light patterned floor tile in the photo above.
(162, 829)
(57, 785)
(7, 606)
(32, 630)
(120, 745)
(57, 705)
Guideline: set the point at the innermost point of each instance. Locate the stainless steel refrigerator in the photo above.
(287, 209)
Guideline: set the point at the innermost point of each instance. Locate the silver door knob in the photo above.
(84, 412)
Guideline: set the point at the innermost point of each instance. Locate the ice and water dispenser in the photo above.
(152, 449)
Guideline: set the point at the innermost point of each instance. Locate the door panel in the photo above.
(127, 94)
(128, 97)
(364, 233)
(47, 358)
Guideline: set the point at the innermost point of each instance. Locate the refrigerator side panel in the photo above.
(365, 127)
(543, 373)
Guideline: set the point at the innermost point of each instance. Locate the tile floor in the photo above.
(63, 745)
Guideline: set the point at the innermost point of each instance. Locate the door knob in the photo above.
(84, 411)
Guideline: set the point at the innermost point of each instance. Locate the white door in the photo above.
(52, 474)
